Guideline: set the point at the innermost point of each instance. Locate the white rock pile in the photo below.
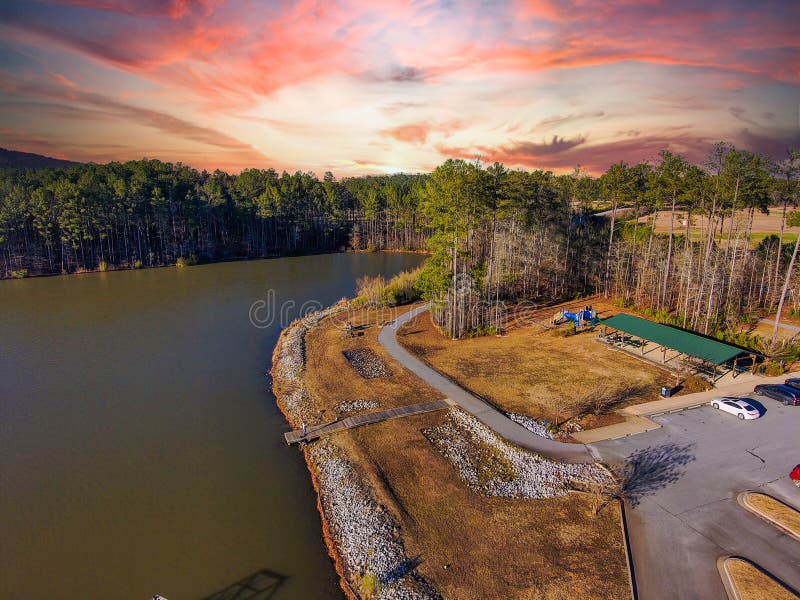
(365, 533)
(368, 364)
(463, 440)
(531, 425)
(290, 360)
(352, 406)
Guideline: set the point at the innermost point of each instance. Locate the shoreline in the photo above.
(115, 268)
(361, 536)
(330, 546)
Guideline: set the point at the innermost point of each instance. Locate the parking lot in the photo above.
(683, 514)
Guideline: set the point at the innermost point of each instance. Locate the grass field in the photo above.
(470, 546)
(753, 584)
(534, 371)
(763, 225)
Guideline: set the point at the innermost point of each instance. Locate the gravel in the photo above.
(366, 536)
(352, 406)
(531, 425)
(512, 473)
(289, 364)
(365, 533)
(368, 364)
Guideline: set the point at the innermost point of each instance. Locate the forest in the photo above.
(150, 213)
(493, 234)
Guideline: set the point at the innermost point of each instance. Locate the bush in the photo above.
(369, 584)
(377, 292)
(187, 261)
(137, 264)
(774, 368)
(482, 331)
(19, 273)
(402, 287)
(694, 383)
(102, 266)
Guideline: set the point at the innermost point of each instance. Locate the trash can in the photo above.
(666, 392)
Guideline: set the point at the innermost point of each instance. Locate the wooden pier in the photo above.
(317, 431)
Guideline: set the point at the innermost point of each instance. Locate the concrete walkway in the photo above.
(636, 416)
(484, 412)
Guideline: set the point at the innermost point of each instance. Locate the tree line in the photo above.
(494, 234)
(150, 213)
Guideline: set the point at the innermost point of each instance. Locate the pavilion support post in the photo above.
(663, 354)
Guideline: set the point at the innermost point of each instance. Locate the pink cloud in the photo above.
(418, 133)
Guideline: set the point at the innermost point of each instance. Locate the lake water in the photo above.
(141, 450)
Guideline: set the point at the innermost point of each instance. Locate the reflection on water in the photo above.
(140, 449)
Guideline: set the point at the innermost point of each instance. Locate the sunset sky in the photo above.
(396, 85)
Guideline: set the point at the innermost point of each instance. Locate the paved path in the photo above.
(484, 412)
(312, 433)
(781, 325)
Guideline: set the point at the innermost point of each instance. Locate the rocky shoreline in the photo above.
(362, 537)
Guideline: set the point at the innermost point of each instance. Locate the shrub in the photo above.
(402, 287)
(102, 266)
(186, 261)
(369, 584)
(377, 292)
(19, 273)
(774, 368)
(482, 331)
(371, 289)
(694, 383)
(137, 264)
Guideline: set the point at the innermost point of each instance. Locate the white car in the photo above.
(736, 406)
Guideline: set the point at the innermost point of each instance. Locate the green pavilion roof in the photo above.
(677, 339)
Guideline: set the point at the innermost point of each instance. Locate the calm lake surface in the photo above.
(141, 450)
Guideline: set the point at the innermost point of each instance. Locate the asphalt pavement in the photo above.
(683, 514)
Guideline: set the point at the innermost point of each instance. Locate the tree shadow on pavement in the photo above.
(650, 469)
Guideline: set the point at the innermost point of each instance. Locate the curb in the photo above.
(628, 553)
(727, 580)
(741, 499)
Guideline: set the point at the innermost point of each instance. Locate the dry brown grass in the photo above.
(470, 546)
(334, 378)
(753, 584)
(535, 371)
(788, 517)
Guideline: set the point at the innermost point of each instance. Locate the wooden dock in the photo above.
(317, 431)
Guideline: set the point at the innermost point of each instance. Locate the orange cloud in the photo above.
(417, 133)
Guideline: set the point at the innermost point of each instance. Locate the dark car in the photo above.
(782, 393)
(793, 382)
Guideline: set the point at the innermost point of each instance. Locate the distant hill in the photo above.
(11, 159)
